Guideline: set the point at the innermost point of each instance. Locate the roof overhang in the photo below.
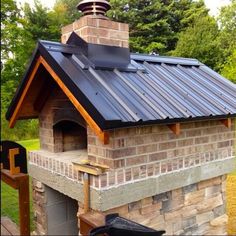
(15, 110)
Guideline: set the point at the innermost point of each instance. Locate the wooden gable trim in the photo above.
(103, 135)
(16, 112)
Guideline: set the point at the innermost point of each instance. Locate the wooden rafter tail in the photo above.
(227, 122)
(175, 128)
(103, 135)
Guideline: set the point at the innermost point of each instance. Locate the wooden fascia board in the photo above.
(103, 135)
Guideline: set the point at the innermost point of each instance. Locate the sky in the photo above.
(213, 5)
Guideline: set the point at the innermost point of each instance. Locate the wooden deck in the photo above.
(8, 227)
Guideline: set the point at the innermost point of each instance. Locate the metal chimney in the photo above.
(94, 7)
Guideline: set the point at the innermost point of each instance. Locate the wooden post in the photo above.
(86, 193)
(24, 206)
(21, 182)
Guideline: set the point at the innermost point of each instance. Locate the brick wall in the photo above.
(140, 153)
(98, 31)
(144, 152)
(64, 136)
(197, 209)
(135, 156)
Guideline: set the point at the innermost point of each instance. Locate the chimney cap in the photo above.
(94, 7)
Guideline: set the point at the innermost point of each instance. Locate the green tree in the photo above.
(10, 19)
(227, 24)
(40, 24)
(200, 41)
(227, 40)
(19, 36)
(154, 24)
(229, 69)
(68, 11)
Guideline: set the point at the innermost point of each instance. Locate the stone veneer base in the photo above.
(108, 198)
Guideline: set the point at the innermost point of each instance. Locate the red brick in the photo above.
(136, 160)
(128, 174)
(167, 145)
(146, 148)
(124, 152)
(157, 156)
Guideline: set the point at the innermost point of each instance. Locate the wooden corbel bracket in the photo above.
(227, 122)
(88, 168)
(175, 128)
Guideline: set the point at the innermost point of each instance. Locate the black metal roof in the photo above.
(119, 89)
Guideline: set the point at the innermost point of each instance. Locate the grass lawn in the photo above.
(9, 196)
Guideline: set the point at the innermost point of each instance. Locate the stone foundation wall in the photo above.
(54, 212)
(196, 209)
(39, 207)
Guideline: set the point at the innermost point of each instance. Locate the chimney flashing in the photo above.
(102, 56)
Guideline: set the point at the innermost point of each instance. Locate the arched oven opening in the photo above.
(69, 136)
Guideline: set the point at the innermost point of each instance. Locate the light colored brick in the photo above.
(194, 197)
(122, 210)
(209, 204)
(213, 190)
(189, 211)
(147, 210)
(209, 183)
(204, 217)
(146, 201)
(157, 223)
(134, 206)
(219, 221)
(172, 215)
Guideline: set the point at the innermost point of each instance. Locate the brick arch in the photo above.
(68, 115)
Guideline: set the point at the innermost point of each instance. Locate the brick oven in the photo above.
(165, 128)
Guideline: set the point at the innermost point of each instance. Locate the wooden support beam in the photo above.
(86, 192)
(175, 128)
(227, 122)
(89, 167)
(24, 205)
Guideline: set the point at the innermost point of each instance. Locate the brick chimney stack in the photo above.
(95, 27)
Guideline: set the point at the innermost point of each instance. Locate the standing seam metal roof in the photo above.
(154, 90)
